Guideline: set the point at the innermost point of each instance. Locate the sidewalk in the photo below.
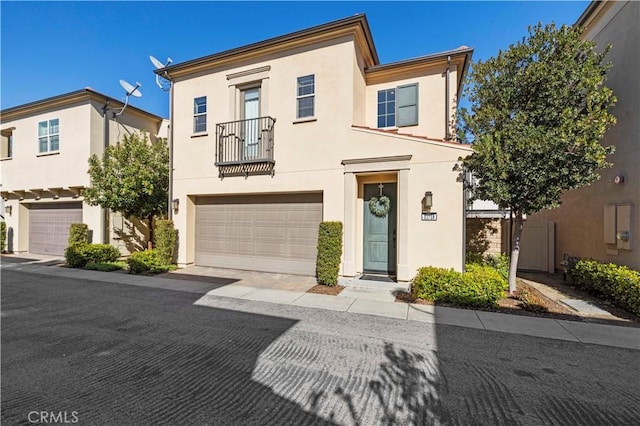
(359, 298)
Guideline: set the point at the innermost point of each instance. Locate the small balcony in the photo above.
(245, 147)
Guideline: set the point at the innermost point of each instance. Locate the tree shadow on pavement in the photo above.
(132, 355)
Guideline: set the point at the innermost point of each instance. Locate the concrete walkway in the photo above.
(366, 298)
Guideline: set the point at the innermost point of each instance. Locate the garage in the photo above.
(49, 226)
(270, 233)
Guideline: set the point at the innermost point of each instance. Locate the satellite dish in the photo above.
(163, 82)
(131, 91)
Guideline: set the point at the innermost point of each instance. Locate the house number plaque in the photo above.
(429, 216)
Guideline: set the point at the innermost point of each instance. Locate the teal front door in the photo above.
(380, 231)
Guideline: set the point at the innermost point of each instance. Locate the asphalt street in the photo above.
(113, 354)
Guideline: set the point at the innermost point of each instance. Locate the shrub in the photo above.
(473, 257)
(500, 262)
(480, 286)
(78, 234)
(165, 236)
(148, 261)
(329, 252)
(105, 266)
(78, 255)
(3, 236)
(617, 283)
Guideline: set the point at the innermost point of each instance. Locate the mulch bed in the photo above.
(325, 289)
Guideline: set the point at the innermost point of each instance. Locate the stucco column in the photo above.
(404, 274)
(350, 197)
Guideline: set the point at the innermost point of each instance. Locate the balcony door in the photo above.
(250, 113)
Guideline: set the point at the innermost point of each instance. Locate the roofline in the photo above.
(433, 57)
(587, 13)
(426, 58)
(70, 95)
(407, 136)
(360, 19)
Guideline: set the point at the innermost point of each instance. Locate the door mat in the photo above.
(380, 278)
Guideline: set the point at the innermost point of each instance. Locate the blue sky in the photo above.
(50, 48)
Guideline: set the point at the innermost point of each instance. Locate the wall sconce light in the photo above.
(175, 204)
(427, 202)
(8, 210)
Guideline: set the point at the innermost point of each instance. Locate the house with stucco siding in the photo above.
(44, 152)
(602, 221)
(272, 138)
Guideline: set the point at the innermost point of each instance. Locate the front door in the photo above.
(380, 230)
(250, 113)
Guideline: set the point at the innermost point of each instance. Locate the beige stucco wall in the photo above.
(308, 154)
(431, 100)
(81, 134)
(580, 220)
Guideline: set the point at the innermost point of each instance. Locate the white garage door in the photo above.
(271, 233)
(49, 226)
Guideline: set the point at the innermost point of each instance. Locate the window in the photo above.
(407, 105)
(306, 95)
(49, 136)
(200, 114)
(6, 149)
(387, 108)
(398, 106)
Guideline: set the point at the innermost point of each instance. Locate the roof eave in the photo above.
(359, 19)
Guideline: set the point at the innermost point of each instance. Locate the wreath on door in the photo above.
(380, 206)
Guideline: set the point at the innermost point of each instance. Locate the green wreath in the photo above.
(380, 206)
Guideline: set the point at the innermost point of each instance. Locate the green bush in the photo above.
(165, 236)
(479, 286)
(473, 257)
(617, 283)
(3, 236)
(500, 262)
(329, 252)
(78, 234)
(105, 266)
(78, 255)
(148, 261)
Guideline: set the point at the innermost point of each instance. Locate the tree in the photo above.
(131, 178)
(538, 111)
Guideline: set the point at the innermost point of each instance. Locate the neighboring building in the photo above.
(601, 221)
(45, 148)
(274, 137)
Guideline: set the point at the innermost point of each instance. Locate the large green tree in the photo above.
(132, 178)
(537, 113)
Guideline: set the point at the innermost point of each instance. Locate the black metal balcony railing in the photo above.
(245, 147)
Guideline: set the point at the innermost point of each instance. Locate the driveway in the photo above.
(118, 354)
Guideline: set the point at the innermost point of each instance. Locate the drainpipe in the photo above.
(447, 130)
(465, 197)
(105, 213)
(170, 209)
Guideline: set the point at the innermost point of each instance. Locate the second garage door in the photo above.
(271, 233)
(49, 226)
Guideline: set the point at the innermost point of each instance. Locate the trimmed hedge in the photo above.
(165, 236)
(78, 234)
(617, 283)
(3, 236)
(479, 286)
(329, 252)
(106, 266)
(78, 255)
(148, 261)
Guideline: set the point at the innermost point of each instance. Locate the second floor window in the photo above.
(6, 148)
(49, 136)
(306, 96)
(386, 108)
(200, 114)
(398, 106)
